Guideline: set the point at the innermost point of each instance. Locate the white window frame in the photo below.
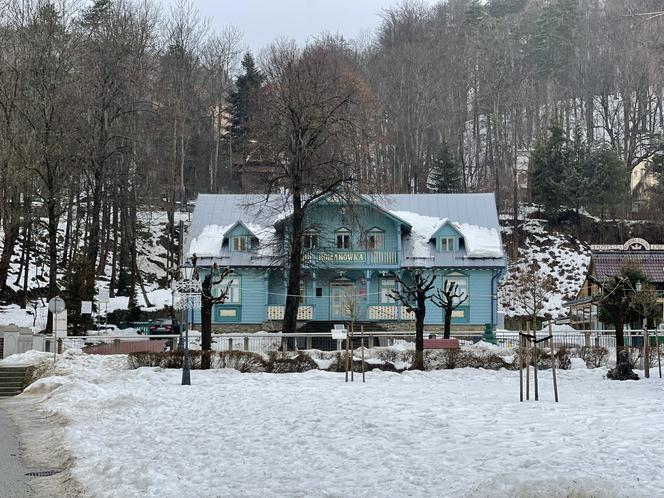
(387, 285)
(347, 235)
(234, 283)
(241, 243)
(310, 239)
(462, 281)
(447, 244)
(378, 236)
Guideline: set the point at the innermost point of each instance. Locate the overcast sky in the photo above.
(262, 21)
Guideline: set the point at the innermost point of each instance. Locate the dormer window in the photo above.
(447, 244)
(343, 238)
(310, 240)
(241, 243)
(375, 239)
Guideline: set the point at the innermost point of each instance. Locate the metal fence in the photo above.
(264, 342)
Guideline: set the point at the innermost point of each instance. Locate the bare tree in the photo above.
(531, 290)
(449, 298)
(305, 116)
(413, 293)
(213, 292)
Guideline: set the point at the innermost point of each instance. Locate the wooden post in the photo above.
(553, 363)
(362, 332)
(535, 365)
(346, 357)
(521, 352)
(646, 349)
(230, 344)
(659, 358)
(527, 355)
(246, 344)
(352, 368)
(60, 345)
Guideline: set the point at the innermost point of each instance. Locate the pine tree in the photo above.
(445, 174)
(240, 100)
(546, 170)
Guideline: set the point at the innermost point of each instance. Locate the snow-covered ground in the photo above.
(442, 433)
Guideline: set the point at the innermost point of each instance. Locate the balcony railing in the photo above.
(325, 257)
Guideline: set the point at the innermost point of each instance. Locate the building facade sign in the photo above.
(342, 257)
(635, 244)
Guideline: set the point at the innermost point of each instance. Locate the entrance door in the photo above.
(341, 301)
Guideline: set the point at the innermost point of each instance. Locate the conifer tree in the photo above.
(240, 100)
(546, 170)
(445, 175)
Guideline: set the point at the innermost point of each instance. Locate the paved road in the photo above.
(12, 476)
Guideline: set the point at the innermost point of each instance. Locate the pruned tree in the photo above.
(449, 297)
(413, 294)
(304, 120)
(215, 288)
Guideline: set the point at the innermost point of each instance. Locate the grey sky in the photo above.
(262, 21)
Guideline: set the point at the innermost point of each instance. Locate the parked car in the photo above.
(164, 326)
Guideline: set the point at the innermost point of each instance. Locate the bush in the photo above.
(455, 358)
(238, 360)
(594, 357)
(284, 362)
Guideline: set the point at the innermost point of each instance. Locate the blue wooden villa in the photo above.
(353, 255)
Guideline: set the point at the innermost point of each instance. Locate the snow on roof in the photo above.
(481, 242)
(473, 215)
(208, 242)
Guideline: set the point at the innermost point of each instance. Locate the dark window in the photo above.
(319, 292)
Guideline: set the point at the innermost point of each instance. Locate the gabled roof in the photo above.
(474, 216)
(243, 225)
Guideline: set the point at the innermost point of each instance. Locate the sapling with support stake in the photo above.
(528, 341)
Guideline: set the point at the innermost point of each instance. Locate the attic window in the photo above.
(446, 244)
(241, 243)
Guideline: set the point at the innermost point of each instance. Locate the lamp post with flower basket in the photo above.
(188, 297)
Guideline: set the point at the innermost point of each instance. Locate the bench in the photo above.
(441, 344)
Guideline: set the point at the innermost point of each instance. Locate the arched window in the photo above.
(343, 238)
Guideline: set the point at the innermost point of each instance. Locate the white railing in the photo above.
(277, 312)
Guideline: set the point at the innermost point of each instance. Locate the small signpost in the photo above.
(339, 333)
(86, 307)
(56, 306)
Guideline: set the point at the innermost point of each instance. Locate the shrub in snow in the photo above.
(465, 358)
(243, 361)
(594, 357)
(284, 362)
(563, 357)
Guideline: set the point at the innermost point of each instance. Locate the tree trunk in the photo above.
(206, 323)
(418, 359)
(448, 323)
(11, 234)
(620, 335)
(27, 244)
(289, 324)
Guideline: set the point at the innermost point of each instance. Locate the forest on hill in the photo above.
(120, 107)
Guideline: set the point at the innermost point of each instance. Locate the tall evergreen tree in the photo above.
(445, 175)
(546, 170)
(79, 285)
(240, 101)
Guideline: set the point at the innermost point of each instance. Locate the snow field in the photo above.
(442, 433)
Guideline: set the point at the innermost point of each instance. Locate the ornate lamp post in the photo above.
(189, 295)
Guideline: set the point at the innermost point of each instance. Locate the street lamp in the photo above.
(189, 289)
